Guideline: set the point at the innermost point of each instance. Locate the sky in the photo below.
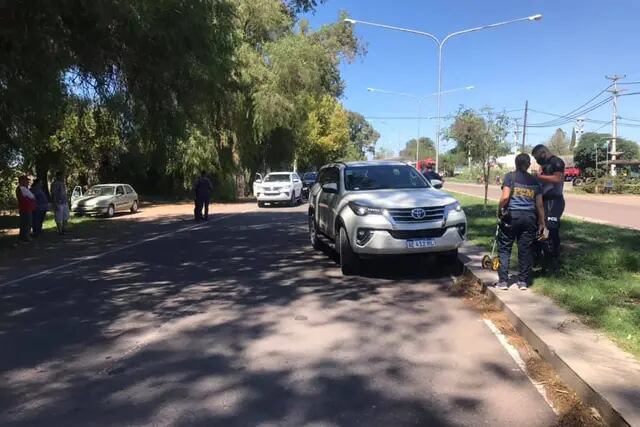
(557, 64)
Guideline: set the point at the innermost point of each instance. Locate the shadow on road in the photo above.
(237, 323)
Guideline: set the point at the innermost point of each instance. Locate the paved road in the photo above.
(620, 210)
(238, 322)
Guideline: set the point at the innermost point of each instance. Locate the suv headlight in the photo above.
(452, 207)
(362, 210)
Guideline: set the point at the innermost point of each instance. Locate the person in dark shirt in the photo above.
(551, 178)
(202, 189)
(430, 174)
(523, 218)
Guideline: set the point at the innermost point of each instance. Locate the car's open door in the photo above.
(77, 193)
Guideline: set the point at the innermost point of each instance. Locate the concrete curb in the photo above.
(591, 394)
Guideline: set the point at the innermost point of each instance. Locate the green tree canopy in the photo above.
(585, 152)
(481, 134)
(427, 149)
(362, 137)
(558, 143)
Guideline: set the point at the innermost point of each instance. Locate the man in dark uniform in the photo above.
(202, 189)
(551, 178)
(522, 217)
(430, 174)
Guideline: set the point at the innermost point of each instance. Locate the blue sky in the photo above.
(557, 64)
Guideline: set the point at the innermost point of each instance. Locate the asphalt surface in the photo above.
(619, 210)
(238, 322)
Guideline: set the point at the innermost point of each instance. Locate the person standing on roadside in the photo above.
(202, 189)
(430, 174)
(26, 206)
(551, 178)
(522, 217)
(42, 205)
(60, 203)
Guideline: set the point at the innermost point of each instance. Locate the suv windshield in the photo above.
(277, 178)
(309, 176)
(100, 190)
(382, 177)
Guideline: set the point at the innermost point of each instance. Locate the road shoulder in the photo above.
(603, 375)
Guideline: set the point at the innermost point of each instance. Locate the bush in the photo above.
(8, 184)
(621, 185)
(224, 188)
(476, 171)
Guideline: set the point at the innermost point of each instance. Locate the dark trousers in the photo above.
(553, 210)
(26, 219)
(523, 230)
(38, 219)
(202, 203)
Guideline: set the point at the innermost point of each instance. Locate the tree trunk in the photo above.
(486, 172)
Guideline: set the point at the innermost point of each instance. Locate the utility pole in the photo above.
(614, 131)
(516, 133)
(524, 127)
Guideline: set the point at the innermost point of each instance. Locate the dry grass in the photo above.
(572, 412)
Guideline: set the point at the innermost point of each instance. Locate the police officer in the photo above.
(430, 174)
(551, 178)
(522, 216)
(202, 189)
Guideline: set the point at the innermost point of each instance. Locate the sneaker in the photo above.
(502, 285)
(522, 286)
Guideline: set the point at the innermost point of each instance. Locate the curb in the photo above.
(587, 393)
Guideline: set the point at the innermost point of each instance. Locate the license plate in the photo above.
(421, 243)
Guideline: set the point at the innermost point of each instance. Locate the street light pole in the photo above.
(420, 99)
(440, 44)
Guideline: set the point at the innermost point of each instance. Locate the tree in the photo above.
(383, 153)
(427, 149)
(585, 153)
(325, 134)
(572, 144)
(558, 143)
(482, 135)
(362, 137)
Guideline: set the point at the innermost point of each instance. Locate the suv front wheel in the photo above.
(313, 233)
(349, 260)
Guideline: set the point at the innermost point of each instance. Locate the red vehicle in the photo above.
(425, 162)
(572, 173)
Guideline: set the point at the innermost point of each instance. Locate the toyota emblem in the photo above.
(418, 213)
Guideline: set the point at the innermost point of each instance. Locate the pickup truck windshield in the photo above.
(277, 178)
(383, 177)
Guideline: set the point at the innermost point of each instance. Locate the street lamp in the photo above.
(419, 99)
(441, 43)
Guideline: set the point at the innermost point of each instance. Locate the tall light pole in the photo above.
(441, 44)
(419, 99)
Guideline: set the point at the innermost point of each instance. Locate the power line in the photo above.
(606, 124)
(570, 118)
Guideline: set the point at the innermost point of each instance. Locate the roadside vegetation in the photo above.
(109, 91)
(600, 275)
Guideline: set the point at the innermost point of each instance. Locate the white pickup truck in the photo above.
(278, 187)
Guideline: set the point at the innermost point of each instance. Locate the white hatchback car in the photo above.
(278, 187)
(104, 199)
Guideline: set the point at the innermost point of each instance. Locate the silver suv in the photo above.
(382, 208)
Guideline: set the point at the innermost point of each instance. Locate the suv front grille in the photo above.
(417, 234)
(435, 213)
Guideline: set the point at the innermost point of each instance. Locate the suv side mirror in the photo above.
(330, 187)
(258, 181)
